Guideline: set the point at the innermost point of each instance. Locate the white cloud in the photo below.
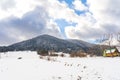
(31, 24)
(55, 9)
(78, 5)
(86, 29)
(103, 17)
(59, 10)
(6, 4)
(21, 19)
(15, 7)
(105, 11)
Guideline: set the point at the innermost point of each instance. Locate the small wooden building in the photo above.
(111, 52)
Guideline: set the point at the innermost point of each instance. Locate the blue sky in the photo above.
(84, 20)
(70, 5)
(69, 2)
(62, 24)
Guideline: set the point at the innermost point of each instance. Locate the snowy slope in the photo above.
(30, 67)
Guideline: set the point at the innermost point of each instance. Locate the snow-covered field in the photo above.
(31, 67)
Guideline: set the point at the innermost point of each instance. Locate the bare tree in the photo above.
(110, 40)
(110, 37)
(106, 38)
(100, 40)
(118, 38)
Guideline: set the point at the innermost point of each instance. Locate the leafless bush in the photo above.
(41, 57)
(62, 55)
(48, 58)
(19, 57)
(42, 52)
(72, 54)
(92, 55)
(53, 55)
(77, 54)
(79, 78)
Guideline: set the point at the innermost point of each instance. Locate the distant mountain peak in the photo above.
(49, 42)
(45, 35)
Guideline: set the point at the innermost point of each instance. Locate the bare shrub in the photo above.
(53, 55)
(73, 55)
(78, 54)
(79, 78)
(48, 58)
(41, 57)
(62, 55)
(19, 57)
(92, 55)
(81, 54)
(42, 52)
(84, 67)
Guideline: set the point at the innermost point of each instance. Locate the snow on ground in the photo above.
(31, 67)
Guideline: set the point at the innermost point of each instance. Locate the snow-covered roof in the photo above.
(118, 48)
(110, 50)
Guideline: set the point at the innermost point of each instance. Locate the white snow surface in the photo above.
(31, 67)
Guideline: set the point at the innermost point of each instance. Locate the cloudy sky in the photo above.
(69, 19)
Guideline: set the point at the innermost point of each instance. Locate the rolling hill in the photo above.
(48, 42)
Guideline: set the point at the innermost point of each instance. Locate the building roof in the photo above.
(110, 50)
(118, 48)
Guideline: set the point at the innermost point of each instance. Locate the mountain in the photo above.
(48, 42)
(81, 43)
